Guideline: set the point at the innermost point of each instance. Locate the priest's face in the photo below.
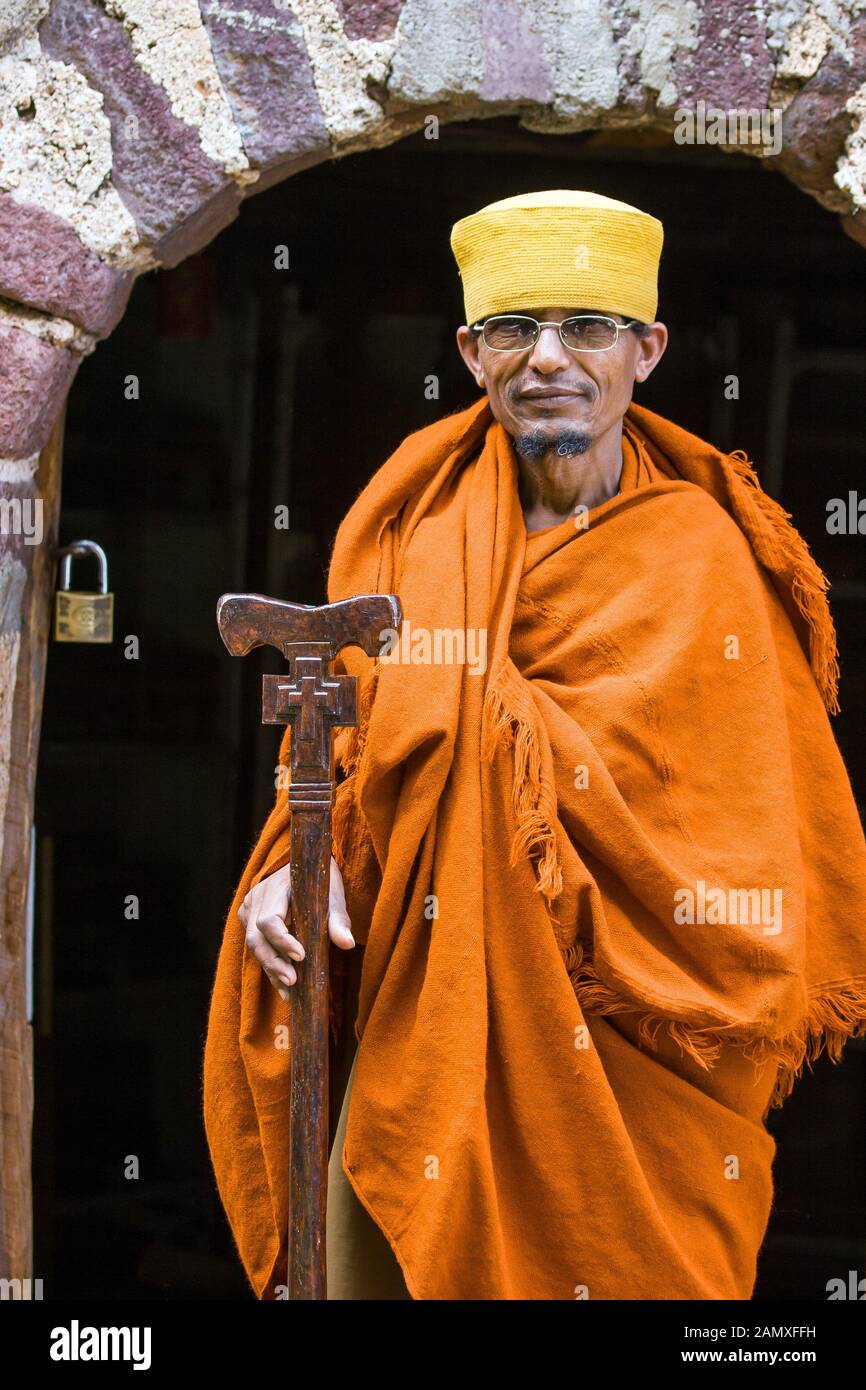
(551, 397)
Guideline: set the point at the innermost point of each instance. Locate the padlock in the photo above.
(81, 616)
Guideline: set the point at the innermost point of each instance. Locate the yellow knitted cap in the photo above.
(560, 247)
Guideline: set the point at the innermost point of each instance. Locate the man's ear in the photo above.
(652, 347)
(468, 345)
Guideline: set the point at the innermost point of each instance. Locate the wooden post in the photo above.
(26, 586)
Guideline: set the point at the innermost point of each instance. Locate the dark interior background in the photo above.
(262, 387)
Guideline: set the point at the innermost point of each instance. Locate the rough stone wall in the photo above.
(130, 130)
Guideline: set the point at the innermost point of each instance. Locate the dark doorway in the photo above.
(260, 388)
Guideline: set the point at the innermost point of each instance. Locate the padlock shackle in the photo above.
(79, 548)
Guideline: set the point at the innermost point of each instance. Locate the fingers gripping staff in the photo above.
(314, 702)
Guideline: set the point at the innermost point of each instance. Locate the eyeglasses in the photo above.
(583, 333)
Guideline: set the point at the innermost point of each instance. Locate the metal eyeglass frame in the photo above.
(527, 318)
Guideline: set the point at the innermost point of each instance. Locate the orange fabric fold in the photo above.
(611, 886)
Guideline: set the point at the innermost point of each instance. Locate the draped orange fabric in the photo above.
(612, 886)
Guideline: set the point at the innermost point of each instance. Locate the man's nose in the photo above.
(549, 353)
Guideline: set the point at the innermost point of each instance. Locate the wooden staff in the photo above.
(314, 702)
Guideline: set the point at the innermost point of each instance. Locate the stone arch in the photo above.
(132, 130)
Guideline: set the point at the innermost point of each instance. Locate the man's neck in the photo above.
(553, 488)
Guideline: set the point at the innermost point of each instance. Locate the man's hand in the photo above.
(265, 911)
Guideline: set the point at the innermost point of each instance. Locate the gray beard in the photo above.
(564, 442)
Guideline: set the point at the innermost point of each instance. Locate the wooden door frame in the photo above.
(26, 584)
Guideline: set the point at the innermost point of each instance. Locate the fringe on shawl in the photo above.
(509, 719)
(781, 548)
(348, 748)
(836, 1013)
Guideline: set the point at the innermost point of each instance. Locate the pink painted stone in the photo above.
(178, 197)
(34, 380)
(268, 78)
(816, 124)
(714, 71)
(515, 63)
(44, 265)
(370, 19)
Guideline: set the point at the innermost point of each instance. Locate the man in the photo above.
(610, 881)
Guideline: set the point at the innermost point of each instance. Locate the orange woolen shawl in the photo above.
(560, 1092)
